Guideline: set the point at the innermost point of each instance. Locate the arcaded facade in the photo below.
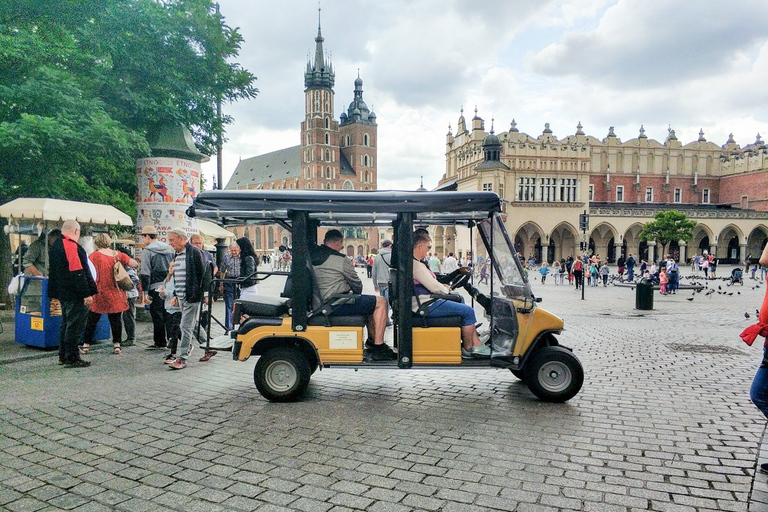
(546, 182)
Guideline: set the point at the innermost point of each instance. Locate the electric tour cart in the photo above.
(294, 339)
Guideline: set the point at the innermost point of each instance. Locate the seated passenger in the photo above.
(335, 274)
(425, 283)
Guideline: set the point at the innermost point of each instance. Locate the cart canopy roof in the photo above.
(56, 210)
(337, 207)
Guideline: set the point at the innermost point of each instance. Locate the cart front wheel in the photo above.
(519, 374)
(282, 374)
(554, 374)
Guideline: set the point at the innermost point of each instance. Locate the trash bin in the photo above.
(644, 294)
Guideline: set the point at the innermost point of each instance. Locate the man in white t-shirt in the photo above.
(450, 264)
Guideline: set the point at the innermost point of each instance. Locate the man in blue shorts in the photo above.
(335, 274)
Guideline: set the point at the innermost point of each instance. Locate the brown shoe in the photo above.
(177, 365)
(208, 354)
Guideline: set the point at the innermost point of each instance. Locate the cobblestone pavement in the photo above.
(663, 423)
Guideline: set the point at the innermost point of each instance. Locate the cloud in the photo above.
(641, 44)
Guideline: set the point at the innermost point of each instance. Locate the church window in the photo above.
(365, 140)
(309, 140)
(271, 237)
(328, 173)
(327, 186)
(346, 140)
(327, 153)
(327, 122)
(327, 139)
(365, 160)
(365, 177)
(257, 238)
(348, 185)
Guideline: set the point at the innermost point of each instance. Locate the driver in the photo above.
(425, 283)
(335, 274)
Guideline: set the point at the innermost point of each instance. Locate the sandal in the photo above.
(85, 348)
(117, 349)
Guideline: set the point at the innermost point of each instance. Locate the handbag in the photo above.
(122, 279)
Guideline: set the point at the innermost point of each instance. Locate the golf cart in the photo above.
(294, 338)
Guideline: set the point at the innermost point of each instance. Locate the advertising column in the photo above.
(168, 182)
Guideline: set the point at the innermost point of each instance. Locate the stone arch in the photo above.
(728, 244)
(528, 240)
(564, 240)
(756, 241)
(631, 242)
(604, 236)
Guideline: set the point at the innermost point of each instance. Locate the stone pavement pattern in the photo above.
(663, 423)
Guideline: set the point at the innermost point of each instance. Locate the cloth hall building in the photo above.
(545, 182)
(331, 155)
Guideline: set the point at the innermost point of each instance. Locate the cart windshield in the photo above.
(508, 272)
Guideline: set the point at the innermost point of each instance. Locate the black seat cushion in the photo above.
(337, 321)
(437, 321)
(263, 306)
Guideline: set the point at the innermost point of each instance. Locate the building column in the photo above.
(743, 253)
(682, 246)
(577, 249)
(651, 251)
(617, 248)
(713, 251)
(544, 249)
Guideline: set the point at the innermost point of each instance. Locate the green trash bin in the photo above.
(644, 294)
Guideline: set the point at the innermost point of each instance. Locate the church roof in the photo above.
(282, 164)
(277, 165)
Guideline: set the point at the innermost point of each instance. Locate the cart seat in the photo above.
(258, 321)
(262, 306)
(436, 321)
(337, 321)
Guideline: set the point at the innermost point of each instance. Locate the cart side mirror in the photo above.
(538, 299)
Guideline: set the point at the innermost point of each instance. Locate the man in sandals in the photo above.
(189, 275)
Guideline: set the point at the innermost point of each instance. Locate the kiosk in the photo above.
(37, 319)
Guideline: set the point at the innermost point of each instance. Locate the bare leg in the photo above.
(379, 318)
(469, 337)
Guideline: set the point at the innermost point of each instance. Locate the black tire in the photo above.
(554, 374)
(282, 374)
(519, 374)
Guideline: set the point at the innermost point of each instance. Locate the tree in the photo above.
(82, 83)
(668, 226)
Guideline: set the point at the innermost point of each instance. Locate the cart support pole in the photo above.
(404, 266)
(299, 270)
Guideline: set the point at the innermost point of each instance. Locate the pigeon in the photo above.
(689, 298)
(746, 315)
(719, 287)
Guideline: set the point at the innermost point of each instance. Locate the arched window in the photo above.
(309, 140)
(365, 177)
(348, 185)
(327, 155)
(257, 238)
(365, 140)
(327, 186)
(307, 186)
(327, 139)
(327, 122)
(328, 173)
(346, 140)
(365, 160)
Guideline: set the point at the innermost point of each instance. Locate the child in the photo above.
(663, 280)
(172, 318)
(754, 269)
(544, 270)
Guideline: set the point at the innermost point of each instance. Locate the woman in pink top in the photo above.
(110, 299)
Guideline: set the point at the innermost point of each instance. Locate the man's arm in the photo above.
(28, 263)
(350, 275)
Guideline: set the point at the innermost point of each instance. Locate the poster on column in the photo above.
(165, 189)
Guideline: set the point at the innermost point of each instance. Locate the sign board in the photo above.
(342, 340)
(36, 324)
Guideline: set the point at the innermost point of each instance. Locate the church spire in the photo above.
(320, 73)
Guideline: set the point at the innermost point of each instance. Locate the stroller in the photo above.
(736, 276)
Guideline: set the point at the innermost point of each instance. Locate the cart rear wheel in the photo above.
(282, 374)
(554, 374)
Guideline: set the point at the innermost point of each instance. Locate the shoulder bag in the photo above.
(122, 279)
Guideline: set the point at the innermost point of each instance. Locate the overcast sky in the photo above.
(688, 65)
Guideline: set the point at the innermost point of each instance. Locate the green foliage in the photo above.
(669, 225)
(82, 82)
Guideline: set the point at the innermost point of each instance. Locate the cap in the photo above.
(148, 230)
(386, 243)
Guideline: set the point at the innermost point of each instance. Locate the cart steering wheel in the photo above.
(460, 280)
